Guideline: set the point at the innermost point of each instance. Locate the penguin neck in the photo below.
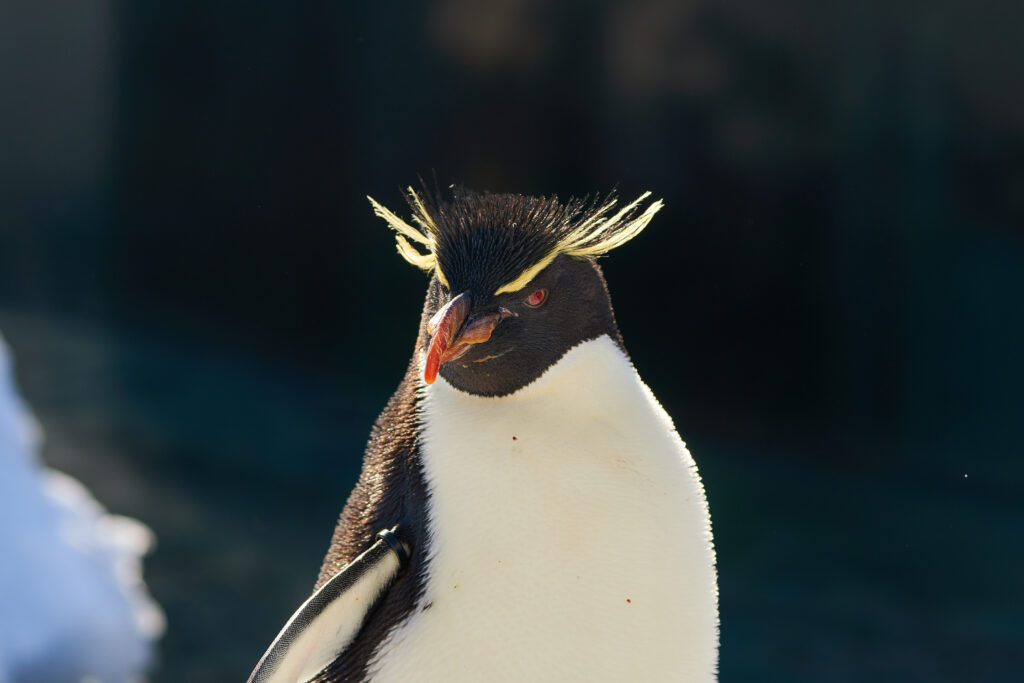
(570, 502)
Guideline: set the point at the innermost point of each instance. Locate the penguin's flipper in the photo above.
(328, 621)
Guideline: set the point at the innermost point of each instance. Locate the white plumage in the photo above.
(570, 536)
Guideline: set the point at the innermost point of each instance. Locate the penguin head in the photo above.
(515, 283)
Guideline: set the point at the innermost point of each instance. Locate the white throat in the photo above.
(569, 536)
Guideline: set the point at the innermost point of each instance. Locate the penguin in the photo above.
(526, 510)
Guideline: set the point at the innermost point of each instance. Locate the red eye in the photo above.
(537, 298)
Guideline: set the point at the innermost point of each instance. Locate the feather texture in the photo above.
(517, 236)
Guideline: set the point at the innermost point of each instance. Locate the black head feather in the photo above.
(496, 243)
(483, 241)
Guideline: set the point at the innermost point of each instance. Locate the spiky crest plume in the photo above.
(499, 242)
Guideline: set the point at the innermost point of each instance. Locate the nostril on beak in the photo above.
(480, 327)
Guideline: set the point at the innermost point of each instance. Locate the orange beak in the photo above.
(453, 333)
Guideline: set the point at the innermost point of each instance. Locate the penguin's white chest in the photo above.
(570, 537)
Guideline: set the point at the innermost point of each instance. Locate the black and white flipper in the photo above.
(329, 620)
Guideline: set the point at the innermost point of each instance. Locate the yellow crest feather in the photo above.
(593, 237)
(422, 261)
(420, 216)
(527, 275)
(417, 258)
(398, 225)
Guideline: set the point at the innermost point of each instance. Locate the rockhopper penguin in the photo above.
(526, 509)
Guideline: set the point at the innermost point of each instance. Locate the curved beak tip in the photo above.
(453, 333)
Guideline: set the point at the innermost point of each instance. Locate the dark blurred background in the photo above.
(206, 316)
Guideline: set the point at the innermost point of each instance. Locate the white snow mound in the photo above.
(73, 603)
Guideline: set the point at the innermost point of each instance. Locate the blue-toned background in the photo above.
(206, 317)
